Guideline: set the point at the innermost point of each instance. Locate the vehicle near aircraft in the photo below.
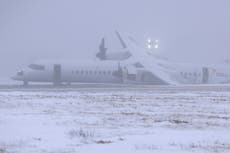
(137, 68)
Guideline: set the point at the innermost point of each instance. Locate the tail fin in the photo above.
(102, 50)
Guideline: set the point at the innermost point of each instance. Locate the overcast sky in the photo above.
(188, 30)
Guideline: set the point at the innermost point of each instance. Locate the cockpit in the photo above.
(37, 67)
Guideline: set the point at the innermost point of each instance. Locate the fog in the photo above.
(189, 31)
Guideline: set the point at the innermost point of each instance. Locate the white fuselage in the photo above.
(163, 72)
(71, 71)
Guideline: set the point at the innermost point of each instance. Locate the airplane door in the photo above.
(57, 74)
(205, 78)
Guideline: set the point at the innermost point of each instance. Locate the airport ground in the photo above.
(114, 118)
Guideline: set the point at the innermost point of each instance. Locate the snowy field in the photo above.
(115, 120)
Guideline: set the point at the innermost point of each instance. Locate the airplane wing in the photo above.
(140, 55)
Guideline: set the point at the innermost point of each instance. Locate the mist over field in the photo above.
(188, 31)
(125, 76)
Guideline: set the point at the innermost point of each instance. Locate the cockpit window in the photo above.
(37, 67)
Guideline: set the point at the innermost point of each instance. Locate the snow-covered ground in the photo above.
(159, 120)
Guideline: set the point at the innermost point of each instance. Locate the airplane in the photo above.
(132, 65)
